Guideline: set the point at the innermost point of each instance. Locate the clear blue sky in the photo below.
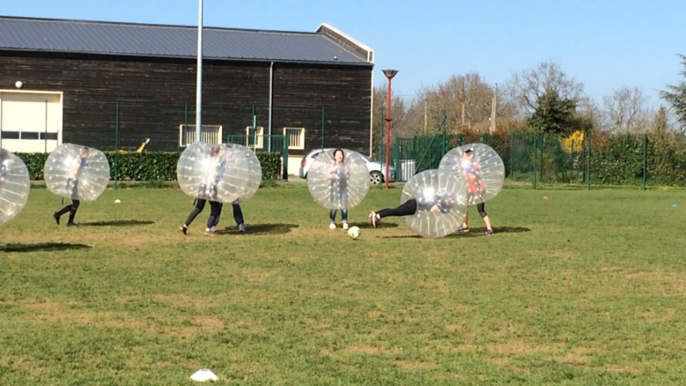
(605, 44)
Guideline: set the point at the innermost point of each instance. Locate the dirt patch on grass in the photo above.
(516, 347)
(667, 283)
(372, 350)
(621, 369)
(416, 365)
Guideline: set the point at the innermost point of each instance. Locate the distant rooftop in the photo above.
(327, 45)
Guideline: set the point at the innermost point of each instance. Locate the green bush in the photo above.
(148, 166)
(35, 162)
(271, 165)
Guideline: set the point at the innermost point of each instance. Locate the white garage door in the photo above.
(30, 122)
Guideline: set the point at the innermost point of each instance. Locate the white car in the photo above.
(377, 170)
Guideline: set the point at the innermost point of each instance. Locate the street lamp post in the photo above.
(198, 82)
(389, 74)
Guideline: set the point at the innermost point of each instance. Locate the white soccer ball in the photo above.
(354, 232)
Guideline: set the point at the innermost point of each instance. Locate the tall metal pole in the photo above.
(389, 74)
(198, 83)
(494, 105)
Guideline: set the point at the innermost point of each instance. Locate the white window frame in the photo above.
(209, 134)
(259, 134)
(295, 142)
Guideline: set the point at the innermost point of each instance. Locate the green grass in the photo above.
(586, 287)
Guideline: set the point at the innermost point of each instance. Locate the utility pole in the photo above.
(494, 105)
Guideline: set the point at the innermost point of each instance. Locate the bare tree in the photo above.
(625, 111)
(463, 102)
(527, 87)
(399, 127)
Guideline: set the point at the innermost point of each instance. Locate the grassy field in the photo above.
(586, 287)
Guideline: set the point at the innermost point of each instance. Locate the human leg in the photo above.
(332, 219)
(199, 206)
(72, 212)
(482, 211)
(407, 208)
(344, 217)
(215, 212)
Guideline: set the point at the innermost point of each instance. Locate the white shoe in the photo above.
(241, 228)
(332, 226)
(345, 225)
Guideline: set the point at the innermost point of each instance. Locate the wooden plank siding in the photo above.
(154, 94)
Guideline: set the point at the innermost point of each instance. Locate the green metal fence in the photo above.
(583, 159)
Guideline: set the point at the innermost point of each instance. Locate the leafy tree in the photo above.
(528, 87)
(554, 114)
(676, 97)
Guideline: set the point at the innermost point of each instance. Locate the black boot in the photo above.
(72, 214)
(59, 213)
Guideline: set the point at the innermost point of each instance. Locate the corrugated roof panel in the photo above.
(168, 41)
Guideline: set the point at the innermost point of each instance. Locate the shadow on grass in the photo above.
(116, 223)
(473, 232)
(259, 229)
(481, 232)
(42, 247)
(379, 225)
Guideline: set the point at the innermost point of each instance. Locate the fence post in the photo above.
(588, 160)
(542, 145)
(512, 154)
(535, 154)
(645, 160)
(45, 140)
(185, 126)
(323, 117)
(284, 156)
(116, 145)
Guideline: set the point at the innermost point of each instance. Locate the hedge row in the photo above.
(148, 166)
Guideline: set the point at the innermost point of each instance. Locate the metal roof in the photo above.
(107, 38)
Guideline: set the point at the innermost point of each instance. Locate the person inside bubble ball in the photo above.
(78, 165)
(219, 163)
(200, 205)
(476, 189)
(338, 177)
(431, 201)
(4, 165)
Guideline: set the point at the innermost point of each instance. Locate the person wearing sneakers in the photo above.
(237, 216)
(408, 208)
(475, 190)
(77, 167)
(216, 207)
(338, 176)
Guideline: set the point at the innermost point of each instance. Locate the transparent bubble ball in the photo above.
(441, 203)
(77, 172)
(254, 169)
(213, 172)
(483, 172)
(14, 185)
(338, 186)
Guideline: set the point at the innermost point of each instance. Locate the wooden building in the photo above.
(72, 81)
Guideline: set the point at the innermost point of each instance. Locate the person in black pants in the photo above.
(77, 168)
(476, 189)
(213, 220)
(408, 208)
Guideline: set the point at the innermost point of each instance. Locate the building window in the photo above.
(296, 137)
(254, 139)
(208, 134)
(25, 135)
